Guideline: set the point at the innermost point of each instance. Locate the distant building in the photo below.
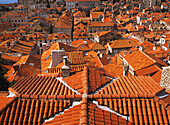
(70, 4)
(39, 4)
(151, 3)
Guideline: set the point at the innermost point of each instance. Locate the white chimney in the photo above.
(101, 55)
(85, 42)
(65, 60)
(44, 45)
(57, 57)
(154, 48)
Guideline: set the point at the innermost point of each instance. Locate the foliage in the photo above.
(4, 84)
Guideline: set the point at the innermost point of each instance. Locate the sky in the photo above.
(7, 1)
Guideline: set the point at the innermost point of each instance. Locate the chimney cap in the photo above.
(55, 51)
(64, 57)
(85, 42)
(65, 67)
(44, 44)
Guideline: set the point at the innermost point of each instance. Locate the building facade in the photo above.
(39, 4)
(70, 4)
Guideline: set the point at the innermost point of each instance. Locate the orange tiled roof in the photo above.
(75, 57)
(95, 115)
(96, 46)
(56, 36)
(12, 58)
(147, 70)
(139, 60)
(164, 101)
(58, 69)
(4, 93)
(40, 85)
(56, 46)
(101, 33)
(157, 76)
(94, 24)
(24, 68)
(31, 111)
(139, 111)
(4, 101)
(114, 70)
(95, 76)
(133, 86)
(147, 44)
(123, 43)
(78, 43)
(158, 61)
(100, 62)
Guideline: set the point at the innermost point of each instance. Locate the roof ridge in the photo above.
(85, 82)
(147, 56)
(162, 102)
(84, 106)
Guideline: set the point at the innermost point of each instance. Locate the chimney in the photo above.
(154, 48)
(44, 45)
(16, 67)
(125, 69)
(85, 42)
(57, 57)
(65, 60)
(65, 68)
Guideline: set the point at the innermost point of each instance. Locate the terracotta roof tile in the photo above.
(164, 101)
(40, 85)
(148, 70)
(95, 116)
(100, 62)
(75, 57)
(133, 86)
(140, 111)
(114, 70)
(139, 60)
(95, 78)
(45, 63)
(157, 76)
(27, 111)
(57, 69)
(80, 42)
(123, 43)
(5, 101)
(12, 58)
(4, 93)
